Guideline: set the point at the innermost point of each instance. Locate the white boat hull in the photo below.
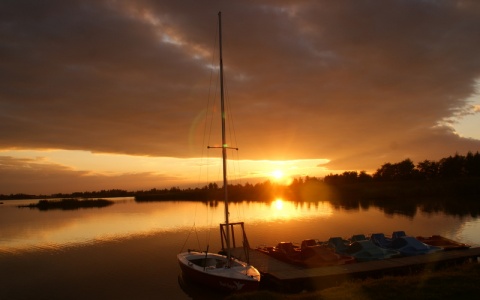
(211, 270)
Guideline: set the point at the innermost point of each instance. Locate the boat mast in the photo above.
(224, 140)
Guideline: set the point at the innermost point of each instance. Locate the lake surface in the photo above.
(128, 250)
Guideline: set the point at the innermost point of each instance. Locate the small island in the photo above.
(69, 204)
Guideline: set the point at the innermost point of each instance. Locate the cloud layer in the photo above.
(357, 82)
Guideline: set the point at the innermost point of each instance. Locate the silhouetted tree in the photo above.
(364, 177)
(347, 177)
(472, 164)
(452, 167)
(212, 186)
(385, 173)
(428, 169)
(403, 170)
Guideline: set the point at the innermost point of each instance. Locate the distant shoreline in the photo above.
(69, 204)
(305, 190)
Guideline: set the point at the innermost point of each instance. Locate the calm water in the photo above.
(128, 250)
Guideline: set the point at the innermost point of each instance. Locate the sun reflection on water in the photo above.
(278, 204)
(282, 210)
(22, 228)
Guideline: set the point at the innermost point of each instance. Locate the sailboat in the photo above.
(218, 271)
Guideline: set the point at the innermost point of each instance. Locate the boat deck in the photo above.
(286, 277)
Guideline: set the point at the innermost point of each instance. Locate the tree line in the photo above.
(93, 194)
(457, 166)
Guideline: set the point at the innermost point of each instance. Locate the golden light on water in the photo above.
(278, 204)
(293, 220)
(283, 210)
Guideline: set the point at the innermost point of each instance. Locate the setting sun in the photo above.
(282, 176)
(277, 174)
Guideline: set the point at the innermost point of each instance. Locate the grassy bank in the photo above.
(461, 282)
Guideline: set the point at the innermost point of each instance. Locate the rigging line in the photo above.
(207, 115)
(234, 164)
(229, 110)
(231, 131)
(198, 240)
(188, 236)
(207, 134)
(211, 106)
(209, 214)
(231, 123)
(212, 120)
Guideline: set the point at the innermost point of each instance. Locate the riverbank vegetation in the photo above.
(455, 176)
(460, 282)
(452, 182)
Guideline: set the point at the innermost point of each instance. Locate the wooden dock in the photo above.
(286, 277)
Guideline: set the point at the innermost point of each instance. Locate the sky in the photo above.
(114, 94)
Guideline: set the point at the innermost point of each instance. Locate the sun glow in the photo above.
(284, 210)
(278, 174)
(278, 204)
(281, 176)
(86, 170)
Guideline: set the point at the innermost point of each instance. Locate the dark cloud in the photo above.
(358, 82)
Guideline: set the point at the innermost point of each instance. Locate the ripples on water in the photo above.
(266, 222)
(128, 250)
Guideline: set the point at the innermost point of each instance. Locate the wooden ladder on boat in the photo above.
(244, 242)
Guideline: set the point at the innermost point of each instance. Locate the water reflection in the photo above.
(278, 204)
(31, 228)
(411, 206)
(284, 211)
(267, 222)
(133, 245)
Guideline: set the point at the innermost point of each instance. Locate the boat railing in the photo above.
(233, 241)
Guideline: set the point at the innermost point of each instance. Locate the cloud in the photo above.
(357, 82)
(38, 176)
